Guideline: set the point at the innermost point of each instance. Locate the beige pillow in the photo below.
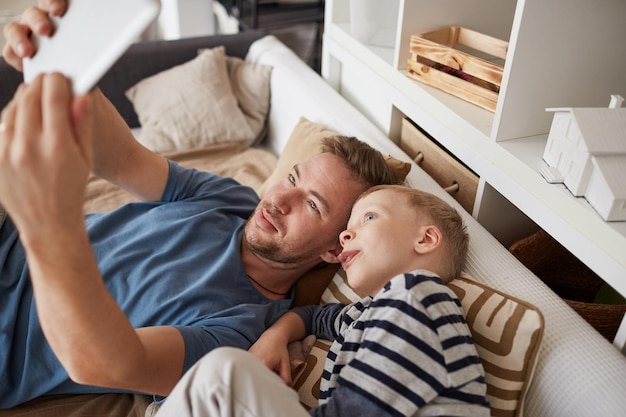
(251, 87)
(304, 143)
(507, 333)
(195, 104)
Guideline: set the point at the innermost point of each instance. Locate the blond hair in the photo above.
(455, 242)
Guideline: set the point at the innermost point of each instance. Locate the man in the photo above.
(128, 300)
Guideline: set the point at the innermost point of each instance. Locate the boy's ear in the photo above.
(429, 239)
(330, 257)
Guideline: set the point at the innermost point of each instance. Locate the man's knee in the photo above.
(225, 355)
(224, 360)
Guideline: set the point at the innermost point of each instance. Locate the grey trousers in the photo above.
(230, 382)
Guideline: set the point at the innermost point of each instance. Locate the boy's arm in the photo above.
(271, 347)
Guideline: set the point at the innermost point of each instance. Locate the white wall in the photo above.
(186, 18)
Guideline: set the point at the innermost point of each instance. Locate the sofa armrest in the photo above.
(142, 60)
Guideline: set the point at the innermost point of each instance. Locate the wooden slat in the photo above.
(465, 90)
(484, 43)
(456, 59)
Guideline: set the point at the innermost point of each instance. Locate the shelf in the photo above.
(571, 220)
(441, 104)
(511, 166)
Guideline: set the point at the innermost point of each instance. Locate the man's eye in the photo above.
(313, 205)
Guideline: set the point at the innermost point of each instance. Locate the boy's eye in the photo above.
(291, 178)
(368, 217)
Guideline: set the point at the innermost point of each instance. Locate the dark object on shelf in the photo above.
(298, 24)
(570, 279)
(253, 14)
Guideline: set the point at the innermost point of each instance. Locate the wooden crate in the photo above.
(461, 62)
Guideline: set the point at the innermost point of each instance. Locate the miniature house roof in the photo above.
(603, 129)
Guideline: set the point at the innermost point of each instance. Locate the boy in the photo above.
(405, 351)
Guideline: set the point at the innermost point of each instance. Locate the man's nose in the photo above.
(283, 200)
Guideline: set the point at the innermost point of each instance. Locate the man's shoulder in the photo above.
(195, 181)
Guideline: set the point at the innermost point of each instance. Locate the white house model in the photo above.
(586, 151)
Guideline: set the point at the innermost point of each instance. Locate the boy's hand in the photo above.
(271, 349)
(34, 20)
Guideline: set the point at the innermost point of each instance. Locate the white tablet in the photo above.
(89, 39)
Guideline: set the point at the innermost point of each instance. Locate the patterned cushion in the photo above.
(308, 382)
(507, 333)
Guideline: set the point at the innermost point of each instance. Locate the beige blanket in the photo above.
(249, 166)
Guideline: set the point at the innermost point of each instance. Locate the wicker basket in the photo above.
(570, 279)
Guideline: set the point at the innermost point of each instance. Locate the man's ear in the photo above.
(429, 239)
(330, 257)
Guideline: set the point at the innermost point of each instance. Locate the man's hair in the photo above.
(366, 163)
(455, 237)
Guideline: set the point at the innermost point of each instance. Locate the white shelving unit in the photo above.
(562, 53)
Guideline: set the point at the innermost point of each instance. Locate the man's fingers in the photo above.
(18, 35)
(18, 44)
(34, 20)
(82, 120)
(7, 123)
(7, 115)
(55, 7)
(28, 112)
(285, 372)
(38, 21)
(56, 97)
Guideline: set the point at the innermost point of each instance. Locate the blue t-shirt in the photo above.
(176, 262)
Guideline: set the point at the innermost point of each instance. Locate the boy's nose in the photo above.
(345, 236)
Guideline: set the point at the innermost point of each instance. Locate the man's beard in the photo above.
(281, 252)
(274, 251)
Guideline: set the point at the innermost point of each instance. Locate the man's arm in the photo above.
(45, 160)
(122, 160)
(271, 347)
(118, 157)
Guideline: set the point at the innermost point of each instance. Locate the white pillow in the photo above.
(202, 102)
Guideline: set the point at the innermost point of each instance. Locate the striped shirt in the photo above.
(405, 352)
